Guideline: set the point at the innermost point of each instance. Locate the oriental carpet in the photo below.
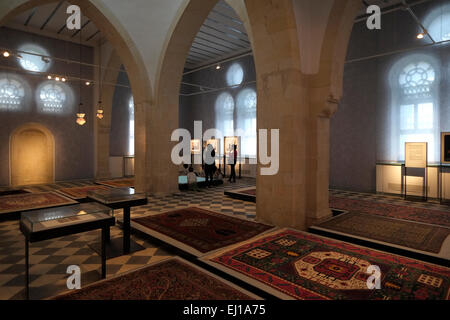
(172, 279)
(293, 264)
(198, 229)
(118, 183)
(405, 233)
(441, 218)
(80, 193)
(31, 201)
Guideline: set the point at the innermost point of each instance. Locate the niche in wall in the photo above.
(32, 155)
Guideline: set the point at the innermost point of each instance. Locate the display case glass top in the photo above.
(116, 195)
(57, 217)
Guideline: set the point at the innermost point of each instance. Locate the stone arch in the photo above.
(32, 155)
(281, 83)
(103, 127)
(96, 11)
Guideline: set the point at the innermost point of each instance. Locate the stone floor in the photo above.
(49, 259)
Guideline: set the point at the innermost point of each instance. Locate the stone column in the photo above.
(283, 105)
(140, 145)
(318, 163)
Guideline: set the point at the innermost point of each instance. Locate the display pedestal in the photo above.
(114, 247)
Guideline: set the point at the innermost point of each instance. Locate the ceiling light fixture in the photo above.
(80, 118)
(6, 54)
(420, 35)
(88, 83)
(49, 77)
(218, 67)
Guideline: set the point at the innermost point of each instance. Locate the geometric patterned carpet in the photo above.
(437, 217)
(405, 233)
(118, 183)
(29, 201)
(81, 193)
(299, 265)
(172, 279)
(49, 259)
(197, 230)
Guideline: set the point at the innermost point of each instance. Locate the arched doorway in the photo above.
(32, 155)
(125, 49)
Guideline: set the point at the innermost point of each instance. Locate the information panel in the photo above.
(416, 154)
(445, 147)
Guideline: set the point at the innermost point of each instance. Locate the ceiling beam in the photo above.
(52, 14)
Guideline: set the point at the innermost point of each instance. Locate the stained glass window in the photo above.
(225, 114)
(11, 94)
(131, 127)
(235, 75)
(32, 58)
(416, 79)
(53, 97)
(246, 121)
(417, 106)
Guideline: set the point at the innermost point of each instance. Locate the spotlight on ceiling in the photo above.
(63, 79)
(420, 35)
(88, 83)
(6, 54)
(57, 78)
(49, 77)
(218, 67)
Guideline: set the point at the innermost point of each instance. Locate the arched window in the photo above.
(225, 114)
(235, 75)
(437, 22)
(131, 127)
(11, 94)
(246, 121)
(52, 97)
(33, 59)
(415, 105)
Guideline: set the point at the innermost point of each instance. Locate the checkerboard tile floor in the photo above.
(49, 259)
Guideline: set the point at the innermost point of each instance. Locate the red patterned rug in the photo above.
(441, 218)
(118, 183)
(246, 194)
(79, 193)
(251, 191)
(31, 201)
(199, 229)
(305, 266)
(174, 279)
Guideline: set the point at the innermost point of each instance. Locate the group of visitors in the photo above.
(209, 170)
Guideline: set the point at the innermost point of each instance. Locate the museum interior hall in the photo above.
(225, 150)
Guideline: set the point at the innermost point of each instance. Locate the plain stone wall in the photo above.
(74, 145)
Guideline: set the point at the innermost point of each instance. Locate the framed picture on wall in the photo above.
(196, 146)
(445, 147)
(215, 144)
(229, 142)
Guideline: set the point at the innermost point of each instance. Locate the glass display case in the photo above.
(116, 195)
(46, 219)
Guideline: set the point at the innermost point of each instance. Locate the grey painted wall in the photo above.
(74, 145)
(202, 106)
(358, 129)
(120, 118)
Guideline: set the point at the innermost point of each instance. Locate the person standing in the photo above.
(210, 164)
(233, 161)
